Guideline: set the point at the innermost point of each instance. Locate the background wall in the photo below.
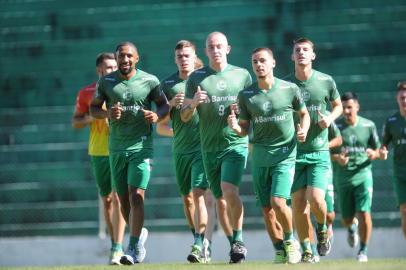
(48, 50)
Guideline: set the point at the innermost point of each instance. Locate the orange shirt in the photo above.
(99, 129)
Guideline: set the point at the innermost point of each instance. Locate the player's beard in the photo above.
(126, 71)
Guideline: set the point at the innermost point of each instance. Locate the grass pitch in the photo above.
(373, 264)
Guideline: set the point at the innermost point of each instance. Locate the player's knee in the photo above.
(107, 201)
(229, 193)
(137, 198)
(330, 217)
(268, 212)
(317, 202)
(188, 200)
(278, 204)
(221, 204)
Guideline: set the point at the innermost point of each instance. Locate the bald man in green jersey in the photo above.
(129, 93)
(187, 157)
(269, 105)
(211, 91)
(394, 133)
(353, 171)
(313, 157)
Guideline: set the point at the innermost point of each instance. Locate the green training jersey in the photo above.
(131, 131)
(356, 139)
(271, 114)
(317, 92)
(222, 89)
(394, 131)
(186, 137)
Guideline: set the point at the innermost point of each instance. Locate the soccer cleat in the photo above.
(308, 257)
(130, 257)
(238, 252)
(353, 237)
(292, 251)
(316, 258)
(362, 257)
(137, 255)
(196, 255)
(280, 257)
(323, 243)
(142, 252)
(206, 251)
(115, 256)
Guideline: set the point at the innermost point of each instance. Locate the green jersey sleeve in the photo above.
(298, 102)
(374, 142)
(386, 135)
(334, 94)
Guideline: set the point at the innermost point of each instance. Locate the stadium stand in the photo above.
(48, 49)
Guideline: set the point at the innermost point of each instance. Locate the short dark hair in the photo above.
(262, 49)
(125, 43)
(303, 40)
(185, 43)
(104, 56)
(349, 95)
(401, 85)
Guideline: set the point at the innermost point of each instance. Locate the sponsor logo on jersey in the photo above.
(223, 98)
(318, 141)
(305, 95)
(354, 149)
(127, 95)
(353, 139)
(273, 118)
(131, 108)
(392, 119)
(313, 108)
(110, 79)
(267, 106)
(170, 81)
(221, 85)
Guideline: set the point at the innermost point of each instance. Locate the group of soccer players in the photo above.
(213, 110)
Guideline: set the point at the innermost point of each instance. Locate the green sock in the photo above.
(199, 239)
(278, 245)
(193, 231)
(306, 246)
(237, 236)
(363, 248)
(117, 247)
(321, 227)
(314, 248)
(287, 236)
(230, 239)
(133, 241)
